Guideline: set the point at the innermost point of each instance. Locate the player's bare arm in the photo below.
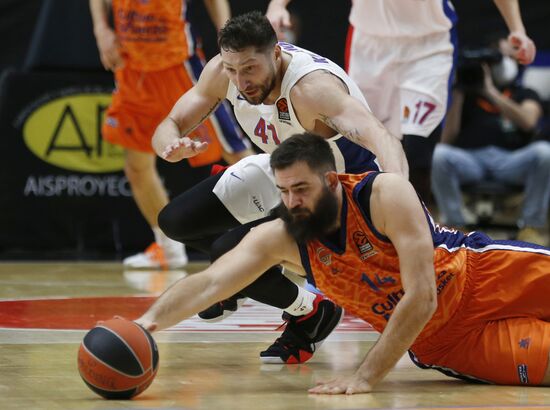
(324, 107)
(396, 213)
(106, 39)
(170, 139)
(266, 245)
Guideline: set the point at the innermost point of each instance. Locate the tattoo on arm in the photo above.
(204, 117)
(351, 133)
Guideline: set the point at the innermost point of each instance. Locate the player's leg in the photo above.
(309, 317)
(130, 122)
(511, 351)
(425, 77)
(150, 196)
(419, 152)
(197, 217)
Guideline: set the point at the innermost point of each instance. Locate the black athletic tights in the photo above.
(198, 219)
(419, 152)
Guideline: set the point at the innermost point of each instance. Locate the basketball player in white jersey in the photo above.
(277, 90)
(400, 54)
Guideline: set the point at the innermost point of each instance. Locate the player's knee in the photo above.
(168, 222)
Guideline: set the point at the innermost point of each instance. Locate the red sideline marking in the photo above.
(84, 313)
(70, 313)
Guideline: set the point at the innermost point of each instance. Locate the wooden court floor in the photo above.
(45, 309)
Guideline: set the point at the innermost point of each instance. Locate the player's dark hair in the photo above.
(312, 149)
(247, 30)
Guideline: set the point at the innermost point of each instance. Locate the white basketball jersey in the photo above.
(402, 18)
(269, 125)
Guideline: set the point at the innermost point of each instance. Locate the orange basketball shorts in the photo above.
(501, 332)
(143, 99)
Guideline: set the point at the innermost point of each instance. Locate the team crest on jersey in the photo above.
(363, 245)
(282, 109)
(324, 256)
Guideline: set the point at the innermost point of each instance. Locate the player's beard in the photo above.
(264, 89)
(304, 225)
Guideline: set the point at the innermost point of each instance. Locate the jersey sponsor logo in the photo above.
(324, 256)
(282, 110)
(443, 279)
(385, 309)
(363, 245)
(522, 373)
(65, 131)
(258, 203)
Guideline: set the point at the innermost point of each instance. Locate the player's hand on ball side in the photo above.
(183, 148)
(147, 324)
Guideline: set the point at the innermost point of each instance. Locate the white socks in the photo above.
(169, 246)
(303, 303)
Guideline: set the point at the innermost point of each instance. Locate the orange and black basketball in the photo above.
(118, 359)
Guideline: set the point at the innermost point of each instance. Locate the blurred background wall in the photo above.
(76, 204)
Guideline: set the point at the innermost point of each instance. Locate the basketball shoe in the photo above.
(223, 309)
(157, 257)
(303, 335)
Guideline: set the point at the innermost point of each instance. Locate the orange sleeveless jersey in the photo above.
(364, 278)
(154, 34)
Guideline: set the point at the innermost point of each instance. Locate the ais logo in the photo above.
(66, 132)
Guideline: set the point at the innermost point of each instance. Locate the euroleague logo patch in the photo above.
(362, 242)
(282, 109)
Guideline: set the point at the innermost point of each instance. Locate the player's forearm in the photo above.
(182, 300)
(509, 9)
(406, 323)
(99, 9)
(372, 135)
(219, 12)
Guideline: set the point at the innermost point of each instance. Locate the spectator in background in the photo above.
(154, 54)
(400, 53)
(489, 136)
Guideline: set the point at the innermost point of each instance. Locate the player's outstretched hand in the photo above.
(342, 385)
(523, 48)
(183, 148)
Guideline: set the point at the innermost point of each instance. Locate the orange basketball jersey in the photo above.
(491, 322)
(153, 34)
(363, 276)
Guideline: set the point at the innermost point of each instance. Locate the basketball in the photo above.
(118, 359)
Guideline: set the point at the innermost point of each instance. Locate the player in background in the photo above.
(156, 57)
(401, 55)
